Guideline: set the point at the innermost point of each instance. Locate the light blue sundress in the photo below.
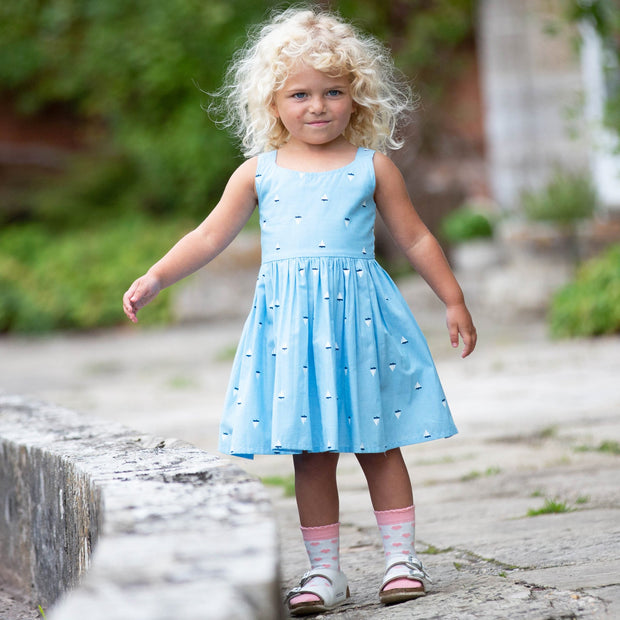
(330, 358)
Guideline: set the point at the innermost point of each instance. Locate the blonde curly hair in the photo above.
(326, 43)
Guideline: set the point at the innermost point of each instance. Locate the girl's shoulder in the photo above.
(382, 161)
(384, 167)
(243, 177)
(247, 170)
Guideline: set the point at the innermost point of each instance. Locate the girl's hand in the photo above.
(460, 322)
(140, 293)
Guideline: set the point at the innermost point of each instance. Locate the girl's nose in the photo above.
(317, 105)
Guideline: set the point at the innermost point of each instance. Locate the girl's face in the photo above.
(314, 108)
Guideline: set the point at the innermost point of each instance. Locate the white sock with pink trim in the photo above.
(323, 548)
(397, 529)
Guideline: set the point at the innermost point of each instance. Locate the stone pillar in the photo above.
(532, 86)
(605, 151)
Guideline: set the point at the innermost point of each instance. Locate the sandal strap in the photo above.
(408, 568)
(330, 593)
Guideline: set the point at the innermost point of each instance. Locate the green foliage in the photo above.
(605, 17)
(427, 40)
(550, 506)
(589, 306)
(423, 35)
(50, 281)
(465, 224)
(134, 76)
(136, 70)
(475, 474)
(139, 71)
(286, 483)
(432, 550)
(609, 446)
(565, 199)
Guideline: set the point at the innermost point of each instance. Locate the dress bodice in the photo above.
(328, 213)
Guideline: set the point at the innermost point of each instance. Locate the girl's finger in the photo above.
(454, 335)
(470, 343)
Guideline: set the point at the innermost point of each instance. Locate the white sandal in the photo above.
(410, 568)
(330, 594)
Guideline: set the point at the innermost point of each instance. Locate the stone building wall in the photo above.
(532, 89)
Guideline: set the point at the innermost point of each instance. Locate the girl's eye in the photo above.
(334, 92)
(299, 95)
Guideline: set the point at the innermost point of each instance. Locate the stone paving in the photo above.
(539, 431)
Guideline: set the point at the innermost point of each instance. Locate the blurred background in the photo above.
(107, 155)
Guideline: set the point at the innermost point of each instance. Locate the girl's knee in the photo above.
(314, 461)
(376, 459)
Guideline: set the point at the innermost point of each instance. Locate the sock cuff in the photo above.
(322, 532)
(392, 517)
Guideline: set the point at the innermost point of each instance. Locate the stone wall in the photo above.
(532, 85)
(97, 521)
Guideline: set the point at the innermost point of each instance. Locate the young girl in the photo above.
(330, 359)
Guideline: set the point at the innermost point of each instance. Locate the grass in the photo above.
(548, 432)
(475, 474)
(551, 506)
(227, 354)
(104, 367)
(42, 613)
(605, 447)
(432, 550)
(181, 383)
(611, 447)
(537, 436)
(286, 483)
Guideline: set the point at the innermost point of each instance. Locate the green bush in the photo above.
(465, 224)
(131, 75)
(564, 200)
(67, 281)
(605, 17)
(132, 72)
(589, 306)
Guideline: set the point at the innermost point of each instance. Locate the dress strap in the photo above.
(364, 160)
(364, 153)
(265, 161)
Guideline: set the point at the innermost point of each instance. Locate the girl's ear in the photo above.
(274, 108)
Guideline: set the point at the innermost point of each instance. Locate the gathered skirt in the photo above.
(330, 359)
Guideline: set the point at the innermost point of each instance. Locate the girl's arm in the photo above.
(202, 244)
(421, 249)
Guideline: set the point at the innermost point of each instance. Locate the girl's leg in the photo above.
(316, 489)
(388, 479)
(392, 498)
(316, 492)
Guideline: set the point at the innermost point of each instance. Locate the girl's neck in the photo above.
(305, 157)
